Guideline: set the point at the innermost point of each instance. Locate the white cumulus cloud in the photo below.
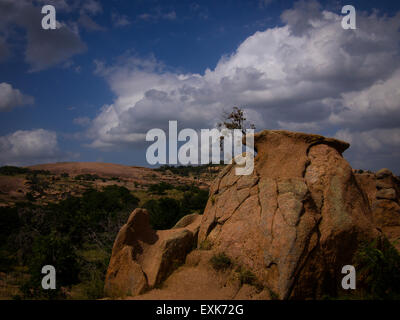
(25, 147)
(308, 74)
(11, 98)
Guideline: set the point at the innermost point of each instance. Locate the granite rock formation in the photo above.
(293, 223)
(142, 257)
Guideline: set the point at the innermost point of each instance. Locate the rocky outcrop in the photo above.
(142, 257)
(297, 220)
(292, 225)
(383, 191)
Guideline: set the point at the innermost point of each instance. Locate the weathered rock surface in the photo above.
(293, 223)
(196, 279)
(142, 257)
(186, 221)
(388, 194)
(297, 220)
(383, 191)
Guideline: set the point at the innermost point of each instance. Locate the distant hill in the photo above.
(76, 210)
(140, 174)
(56, 181)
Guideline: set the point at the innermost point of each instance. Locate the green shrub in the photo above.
(29, 196)
(189, 169)
(87, 177)
(247, 277)
(160, 188)
(213, 199)
(195, 201)
(55, 233)
(164, 212)
(92, 275)
(12, 171)
(43, 172)
(94, 289)
(58, 252)
(9, 222)
(378, 266)
(273, 294)
(220, 261)
(205, 245)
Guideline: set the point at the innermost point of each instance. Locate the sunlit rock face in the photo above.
(297, 220)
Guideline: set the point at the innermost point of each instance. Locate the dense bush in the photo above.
(33, 235)
(57, 251)
(9, 222)
(195, 201)
(94, 212)
(160, 188)
(247, 277)
(220, 261)
(92, 275)
(43, 172)
(54, 233)
(378, 265)
(12, 171)
(187, 170)
(164, 212)
(87, 177)
(36, 183)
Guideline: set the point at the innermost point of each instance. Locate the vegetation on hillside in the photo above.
(87, 177)
(378, 266)
(165, 212)
(54, 234)
(76, 234)
(12, 171)
(190, 170)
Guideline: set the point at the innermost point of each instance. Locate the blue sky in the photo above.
(112, 70)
